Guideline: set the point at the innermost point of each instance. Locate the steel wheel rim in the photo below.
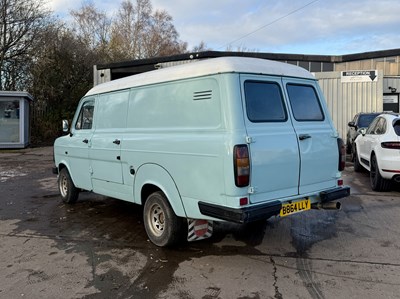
(156, 220)
(63, 186)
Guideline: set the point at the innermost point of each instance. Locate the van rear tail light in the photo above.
(242, 165)
(391, 145)
(342, 154)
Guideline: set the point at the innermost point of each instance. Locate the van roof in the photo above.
(204, 68)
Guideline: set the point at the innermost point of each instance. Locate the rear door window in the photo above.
(264, 102)
(304, 102)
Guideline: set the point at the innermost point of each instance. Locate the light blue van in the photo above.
(225, 139)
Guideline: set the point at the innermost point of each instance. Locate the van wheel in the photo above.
(357, 166)
(69, 193)
(163, 227)
(378, 183)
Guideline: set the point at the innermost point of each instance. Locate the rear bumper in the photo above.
(241, 215)
(334, 194)
(55, 170)
(263, 211)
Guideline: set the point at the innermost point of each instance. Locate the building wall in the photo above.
(347, 99)
(390, 66)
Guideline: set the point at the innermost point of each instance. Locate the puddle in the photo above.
(5, 175)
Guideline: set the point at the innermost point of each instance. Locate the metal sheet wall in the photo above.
(393, 82)
(347, 99)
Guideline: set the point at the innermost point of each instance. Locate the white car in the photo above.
(378, 151)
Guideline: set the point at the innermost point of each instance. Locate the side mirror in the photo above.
(65, 126)
(351, 124)
(362, 131)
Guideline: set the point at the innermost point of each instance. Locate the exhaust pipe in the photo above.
(328, 206)
(397, 178)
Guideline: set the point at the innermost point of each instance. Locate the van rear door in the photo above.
(273, 142)
(315, 134)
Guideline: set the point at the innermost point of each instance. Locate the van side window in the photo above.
(304, 102)
(264, 102)
(85, 118)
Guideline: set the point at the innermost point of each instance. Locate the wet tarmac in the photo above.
(98, 248)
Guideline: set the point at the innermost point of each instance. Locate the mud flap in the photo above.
(199, 229)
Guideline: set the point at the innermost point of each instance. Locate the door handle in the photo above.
(85, 141)
(304, 136)
(117, 141)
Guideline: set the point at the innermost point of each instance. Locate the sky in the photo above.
(325, 27)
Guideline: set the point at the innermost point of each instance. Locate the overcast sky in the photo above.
(328, 27)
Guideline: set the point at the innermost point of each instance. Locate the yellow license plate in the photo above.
(295, 207)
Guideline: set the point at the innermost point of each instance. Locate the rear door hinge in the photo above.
(251, 190)
(249, 139)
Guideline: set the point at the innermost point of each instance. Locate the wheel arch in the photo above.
(63, 164)
(151, 178)
(373, 154)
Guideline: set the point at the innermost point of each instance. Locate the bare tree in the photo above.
(201, 47)
(61, 75)
(20, 25)
(138, 32)
(162, 38)
(128, 29)
(92, 26)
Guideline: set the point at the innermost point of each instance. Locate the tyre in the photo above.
(162, 226)
(348, 147)
(69, 193)
(378, 183)
(357, 166)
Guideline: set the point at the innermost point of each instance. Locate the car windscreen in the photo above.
(365, 119)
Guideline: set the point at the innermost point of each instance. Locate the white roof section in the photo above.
(16, 94)
(203, 68)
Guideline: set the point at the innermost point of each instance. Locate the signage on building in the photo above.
(390, 99)
(359, 76)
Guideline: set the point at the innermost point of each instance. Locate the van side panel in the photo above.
(178, 126)
(105, 144)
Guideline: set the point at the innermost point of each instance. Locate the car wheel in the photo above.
(69, 193)
(357, 166)
(378, 183)
(348, 147)
(163, 227)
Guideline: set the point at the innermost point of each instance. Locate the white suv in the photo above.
(377, 150)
